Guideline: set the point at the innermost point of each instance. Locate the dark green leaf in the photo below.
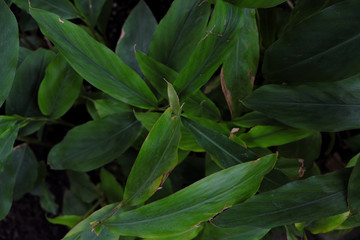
(136, 33)
(23, 53)
(63, 8)
(226, 152)
(267, 136)
(156, 159)
(184, 236)
(105, 107)
(26, 170)
(47, 199)
(26, 84)
(67, 220)
(240, 67)
(293, 60)
(8, 133)
(353, 190)
(82, 187)
(222, 33)
(291, 203)
(253, 119)
(72, 205)
(112, 189)
(83, 230)
(7, 182)
(198, 105)
(90, 10)
(9, 45)
(197, 203)
(59, 89)
(247, 233)
(313, 106)
(253, 4)
(95, 143)
(179, 32)
(95, 62)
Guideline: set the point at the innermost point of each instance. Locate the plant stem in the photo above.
(31, 140)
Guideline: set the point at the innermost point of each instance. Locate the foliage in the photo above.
(218, 122)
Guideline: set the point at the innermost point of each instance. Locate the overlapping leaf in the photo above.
(95, 143)
(187, 208)
(294, 202)
(253, 4)
(90, 10)
(95, 62)
(9, 45)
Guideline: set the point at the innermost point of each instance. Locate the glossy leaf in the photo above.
(313, 106)
(63, 8)
(67, 220)
(112, 189)
(7, 182)
(136, 33)
(9, 45)
(222, 33)
(197, 203)
(240, 67)
(226, 152)
(291, 59)
(179, 32)
(83, 230)
(291, 203)
(253, 4)
(82, 187)
(248, 233)
(90, 10)
(59, 88)
(267, 136)
(155, 161)
(8, 133)
(26, 170)
(95, 62)
(95, 143)
(173, 99)
(26, 84)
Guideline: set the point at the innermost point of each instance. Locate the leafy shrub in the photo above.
(214, 118)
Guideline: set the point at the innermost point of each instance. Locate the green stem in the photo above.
(92, 209)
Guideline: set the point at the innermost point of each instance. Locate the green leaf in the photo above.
(72, 205)
(59, 89)
(155, 161)
(291, 203)
(179, 32)
(7, 182)
(253, 119)
(327, 107)
(267, 136)
(95, 143)
(63, 8)
(47, 200)
(26, 84)
(173, 99)
(136, 33)
(198, 105)
(327, 224)
(82, 187)
(156, 73)
(9, 45)
(83, 230)
(226, 152)
(249, 233)
(353, 191)
(26, 170)
(293, 60)
(8, 133)
(187, 208)
(240, 67)
(105, 107)
(67, 220)
(91, 60)
(112, 189)
(184, 236)
(222, 33)
(90, 10)
(252, 3)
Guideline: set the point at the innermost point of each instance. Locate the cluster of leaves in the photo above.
(161, 109)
